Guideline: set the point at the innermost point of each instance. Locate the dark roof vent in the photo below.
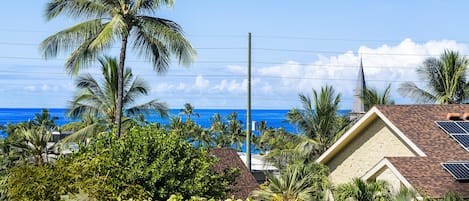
(454, 116)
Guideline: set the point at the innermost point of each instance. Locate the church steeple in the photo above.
(358, 104)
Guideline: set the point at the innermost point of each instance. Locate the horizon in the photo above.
(40, 108)
(296, 47)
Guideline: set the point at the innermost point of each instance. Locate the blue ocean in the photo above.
(274, 118)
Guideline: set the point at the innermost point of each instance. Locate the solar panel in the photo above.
(450, 127)
(464, 125)
(459, 171)
(463, 140)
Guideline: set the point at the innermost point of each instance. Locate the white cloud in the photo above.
(201, 83)
(232, 86)
(382, 65)
(181, 86)
(276, 85)
(267, 88)
(45, 87)
(237, 69)
(162, 88)
(30, 88)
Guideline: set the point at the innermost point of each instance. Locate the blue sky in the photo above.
(297, 46)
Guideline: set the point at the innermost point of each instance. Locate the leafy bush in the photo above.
(147, 163)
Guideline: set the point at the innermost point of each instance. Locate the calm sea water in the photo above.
(274, 118)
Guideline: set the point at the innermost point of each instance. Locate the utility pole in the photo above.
(248, 112)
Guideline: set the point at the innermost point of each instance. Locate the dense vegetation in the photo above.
(148, 162)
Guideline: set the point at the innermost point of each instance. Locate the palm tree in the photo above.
(218, 129)
(99, 100)
(201, 137)
(176, 124)
(295, 183)
(372, 97)
(320, 121)
(281, 147)
(31, 144)
(263, 130)
(360, 190)
(189, 111)
(108, 22)
(45, 119)
(321, 127)
(445, 79)
(235, 131)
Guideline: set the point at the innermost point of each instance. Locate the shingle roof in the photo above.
(245, 183)
(417, 122)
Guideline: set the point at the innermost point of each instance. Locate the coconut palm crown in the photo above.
(116, 22)
(445, 79)
(97, 99)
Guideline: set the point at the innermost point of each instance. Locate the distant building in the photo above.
(259, 168)
(358, 108)
(60, 135)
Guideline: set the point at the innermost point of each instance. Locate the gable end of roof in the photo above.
(348, 136)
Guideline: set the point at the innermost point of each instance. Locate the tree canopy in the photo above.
(445, 80)
(147, 163)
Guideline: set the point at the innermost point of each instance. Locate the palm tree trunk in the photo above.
(120, 85)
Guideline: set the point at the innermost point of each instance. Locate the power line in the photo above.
(231, 62)
(261, 36)
(267, 49)
(337, 52)
(228, 76)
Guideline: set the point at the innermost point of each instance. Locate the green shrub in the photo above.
(146, 163)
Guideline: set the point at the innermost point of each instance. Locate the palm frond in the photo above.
(134, 90)
(71, 38)
(76, 8)
(372, 97)
(156, 105)
(168, 3)
(155, 38)
(83, 134)
(409, 89)
(84, 56)
(112, 30)
(444, 77)
(143, 6)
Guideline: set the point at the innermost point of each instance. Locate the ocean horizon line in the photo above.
(59, 108)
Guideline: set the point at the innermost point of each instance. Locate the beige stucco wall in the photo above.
(366, 149)
(391, 179)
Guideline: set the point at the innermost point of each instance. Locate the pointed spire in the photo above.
(358, 104)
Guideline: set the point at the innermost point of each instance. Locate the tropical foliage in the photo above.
(360, 190)
(45, 120)
(127, 23)
(297, 182)
(445, 80)
(188, 111)
(319, 119)
(148, 163)
(27, 142)
(320, 124)
(372, 97)
(96, 102)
